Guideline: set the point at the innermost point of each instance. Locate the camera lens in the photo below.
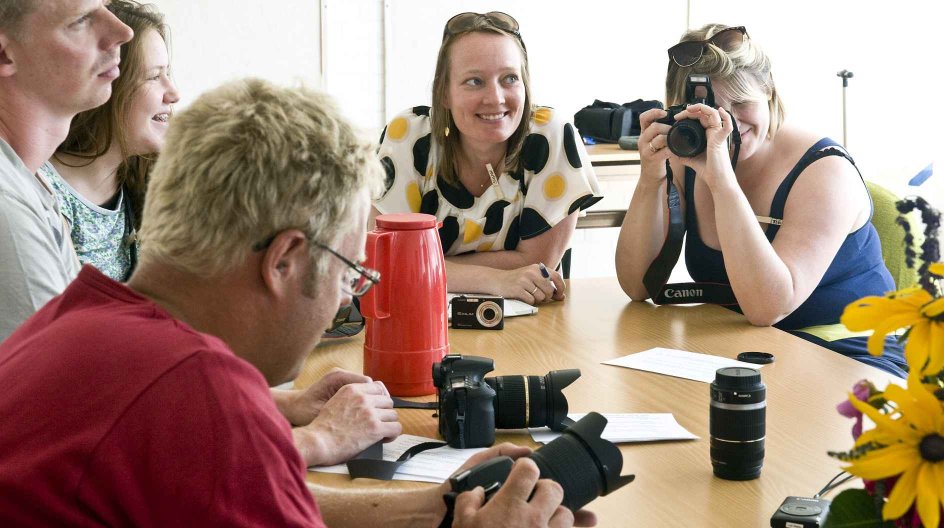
(687, 138)
(585, 465)
(532, 401)
(488, 314)
(737, 421)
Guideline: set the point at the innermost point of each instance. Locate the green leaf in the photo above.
(855, 508)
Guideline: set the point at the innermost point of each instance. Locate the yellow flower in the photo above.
(937, 268)
(911, 307)
(912, 448)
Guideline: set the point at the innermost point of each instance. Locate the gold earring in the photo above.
(447, 131)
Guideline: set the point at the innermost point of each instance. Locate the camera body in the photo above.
(687, 137)
(800, 512)
(483, 312)
(466, 402)
(472, 406)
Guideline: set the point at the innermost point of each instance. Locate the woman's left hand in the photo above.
(714, 164)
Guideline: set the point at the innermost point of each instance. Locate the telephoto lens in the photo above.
(737, 421)
(584, 464)
(532, 401)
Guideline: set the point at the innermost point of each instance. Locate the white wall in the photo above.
(606, 49)
(376, 57)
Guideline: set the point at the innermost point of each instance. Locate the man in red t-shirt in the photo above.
(148, 403)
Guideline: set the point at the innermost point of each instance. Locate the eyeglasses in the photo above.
(687, 53)
(465, 21)
(357, 279)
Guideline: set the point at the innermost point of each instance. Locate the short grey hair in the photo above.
(246, 161)
(12, 13)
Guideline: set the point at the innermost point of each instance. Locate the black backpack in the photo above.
(606, 122)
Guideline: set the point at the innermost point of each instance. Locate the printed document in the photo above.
(434, 465)
(678, 363)
(628, 427)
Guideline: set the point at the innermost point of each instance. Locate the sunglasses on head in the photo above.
(687, 53)
(465, 21)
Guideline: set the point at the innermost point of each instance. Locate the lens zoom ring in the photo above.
(510, 412)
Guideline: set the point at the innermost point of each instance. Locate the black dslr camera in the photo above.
(471, 406)
(687, 138)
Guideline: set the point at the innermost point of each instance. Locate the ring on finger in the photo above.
(652, 148)
(534, 290)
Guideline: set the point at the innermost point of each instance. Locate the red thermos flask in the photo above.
(405, 313)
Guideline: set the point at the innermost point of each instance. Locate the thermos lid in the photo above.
(405, 221)
(737, 378)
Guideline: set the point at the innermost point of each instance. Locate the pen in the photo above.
(547, 275)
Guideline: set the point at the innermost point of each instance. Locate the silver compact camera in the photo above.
(483, 312)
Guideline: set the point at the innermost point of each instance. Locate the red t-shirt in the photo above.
(112, 412)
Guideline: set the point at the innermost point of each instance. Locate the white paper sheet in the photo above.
(435, 465)
(513, 307)
(631, 427)
(678, 363)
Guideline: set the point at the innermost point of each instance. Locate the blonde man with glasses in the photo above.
(149, 401)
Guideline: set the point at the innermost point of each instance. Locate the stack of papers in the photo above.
(620, 428)
(435, 465)
(678, 363)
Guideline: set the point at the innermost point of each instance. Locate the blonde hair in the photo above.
(442, 118)
(741, 70)
(246, 161)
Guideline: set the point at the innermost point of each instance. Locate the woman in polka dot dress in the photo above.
(506, 179)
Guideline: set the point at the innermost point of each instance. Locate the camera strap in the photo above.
(371, 464)
(656, 277)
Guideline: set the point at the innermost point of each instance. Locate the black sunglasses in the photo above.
(356, 281)
(687, 53)
(465, 21)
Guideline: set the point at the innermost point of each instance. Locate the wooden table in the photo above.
(674, 484)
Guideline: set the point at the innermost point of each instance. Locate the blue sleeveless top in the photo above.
(857, 269)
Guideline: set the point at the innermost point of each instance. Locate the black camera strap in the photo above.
(370, 462)
(656, 277)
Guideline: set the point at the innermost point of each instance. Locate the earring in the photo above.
(447, 131)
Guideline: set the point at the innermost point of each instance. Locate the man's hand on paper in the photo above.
(300, 407)
(514, 504)
(354, 416)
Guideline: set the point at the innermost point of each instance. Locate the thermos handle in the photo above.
(371, 305)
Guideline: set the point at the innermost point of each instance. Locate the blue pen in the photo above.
(547, 275)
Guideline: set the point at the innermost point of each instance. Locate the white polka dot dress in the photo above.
(555, 180)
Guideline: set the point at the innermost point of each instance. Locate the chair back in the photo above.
(892, 235)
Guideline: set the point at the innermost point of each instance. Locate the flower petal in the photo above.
(885, 462)
(929, 505)
(899, 429)
(908, 406)
(937, 268)
(916, 348)
(902, 495)
(935, 348)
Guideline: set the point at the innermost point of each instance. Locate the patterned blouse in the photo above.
(556, 180)
(98, 234)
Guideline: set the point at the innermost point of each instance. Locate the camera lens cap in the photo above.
(758, 358)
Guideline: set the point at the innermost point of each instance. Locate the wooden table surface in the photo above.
(674, 483)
